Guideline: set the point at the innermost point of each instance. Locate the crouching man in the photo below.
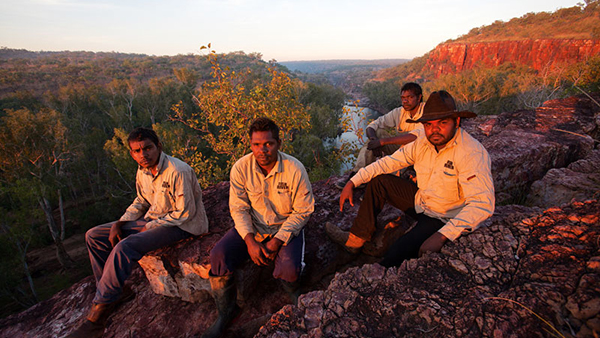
(270, 200)
(167, 209)
(453, 195)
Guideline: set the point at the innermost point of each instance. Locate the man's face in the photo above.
(145, 153)
(410, 101)
(264, 147)
(439, 132)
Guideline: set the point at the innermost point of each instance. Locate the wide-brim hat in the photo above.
(440, 105)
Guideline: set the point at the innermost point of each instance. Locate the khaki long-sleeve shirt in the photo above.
(278, 204)
(171, 198)
(455, 185)
(397, 119)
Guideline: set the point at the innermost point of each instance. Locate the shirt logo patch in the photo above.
(282, 186)
(449, 165)
(166, 184)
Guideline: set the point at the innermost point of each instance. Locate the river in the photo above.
(357, 118)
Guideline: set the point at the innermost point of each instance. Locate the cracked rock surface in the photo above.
(484, 285)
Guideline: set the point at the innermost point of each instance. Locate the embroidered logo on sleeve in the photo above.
(471, 177)
(449, 165)
(166, 184)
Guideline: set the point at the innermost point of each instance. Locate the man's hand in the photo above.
(374, 144)
(433, 244)
(371, 133)
(273, 246)
(257, 251)
(347, 194)
(115, 234)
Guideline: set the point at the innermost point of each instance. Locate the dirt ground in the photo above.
(44, 259)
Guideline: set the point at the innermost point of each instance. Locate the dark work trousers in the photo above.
(231, 252)
(112, 266)
(400, 193)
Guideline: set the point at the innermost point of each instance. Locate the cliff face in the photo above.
(540, 53)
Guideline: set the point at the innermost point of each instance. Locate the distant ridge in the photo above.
(320, 66)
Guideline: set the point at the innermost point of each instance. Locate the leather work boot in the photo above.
(292, 289)
(341, 184)
(349, 241)
(93, 325)
(225, 294)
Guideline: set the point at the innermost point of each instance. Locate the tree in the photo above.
(385, 95)
(229, 103)
(35, 148)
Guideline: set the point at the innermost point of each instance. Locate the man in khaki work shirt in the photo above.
(391, 131)
(453, 195)
(270, 199)
(167, 209)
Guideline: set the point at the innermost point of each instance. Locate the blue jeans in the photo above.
(112, 266)
(231, 251)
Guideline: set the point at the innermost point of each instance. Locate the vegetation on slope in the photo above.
(64, 118)
(577, 22)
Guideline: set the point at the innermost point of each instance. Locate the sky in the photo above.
(281, 30)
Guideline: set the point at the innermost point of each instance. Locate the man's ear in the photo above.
(160, 146)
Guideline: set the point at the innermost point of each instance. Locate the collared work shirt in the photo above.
(278, 204)
(455, 185)
(171, 198)
(397, 119)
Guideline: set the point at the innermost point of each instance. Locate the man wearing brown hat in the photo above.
(453, 195)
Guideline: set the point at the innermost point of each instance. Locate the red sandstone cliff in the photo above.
(539, 53)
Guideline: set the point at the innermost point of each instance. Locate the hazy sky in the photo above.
(283, 30)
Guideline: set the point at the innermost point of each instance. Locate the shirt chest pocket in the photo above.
(449, 185)
(164, 200)
(283, 202)
(255, 197)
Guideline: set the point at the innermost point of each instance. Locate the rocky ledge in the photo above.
(528, 273)
(531, 271)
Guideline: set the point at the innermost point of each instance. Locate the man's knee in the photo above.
(218, 253)
(289, 273)
(288, 267)
(92, 235)
(380, 182)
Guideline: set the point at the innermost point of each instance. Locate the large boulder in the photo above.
(580, 180)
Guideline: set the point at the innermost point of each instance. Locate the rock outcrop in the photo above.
(524, 145)
(579, 180)
(526, 274)
(448, 58)
(546, 260)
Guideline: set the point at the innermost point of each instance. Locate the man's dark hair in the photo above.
(264, 124)
(414, 88)
(141, 133)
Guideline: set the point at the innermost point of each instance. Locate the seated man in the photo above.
(391, 131)
(270, 200)
(168, 208)
(453, 195)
